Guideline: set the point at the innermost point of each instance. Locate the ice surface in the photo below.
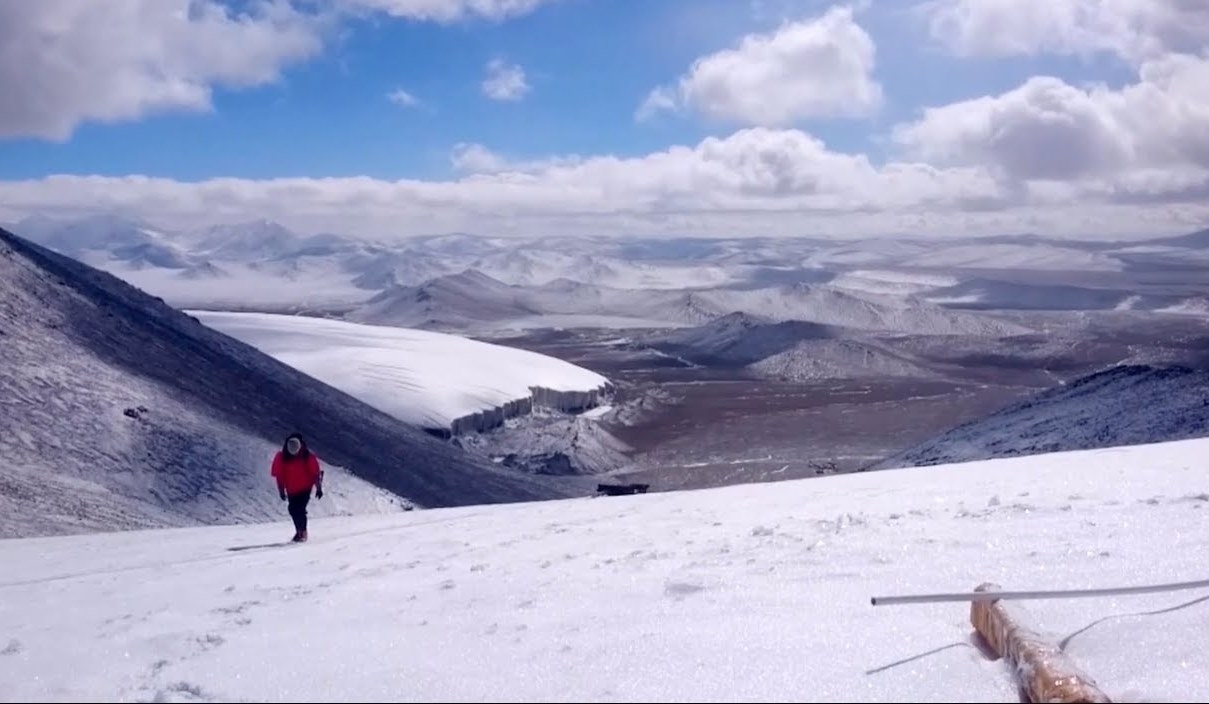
(425, 378)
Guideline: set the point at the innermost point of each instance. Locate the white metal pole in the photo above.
(1055, 594)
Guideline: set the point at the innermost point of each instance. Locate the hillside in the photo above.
(746, 593)
(1125, 405)
(811, 360)
(123, 412)
(736, 339)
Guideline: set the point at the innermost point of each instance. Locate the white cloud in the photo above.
(67, 62)
(475, 158)
(1049, 130)
(1134, 30)
(63, 62)
(469, 158)
(446, 11)
(402, 98)
(659, 100)
(821, 67)
(504, 81)
(755, 181)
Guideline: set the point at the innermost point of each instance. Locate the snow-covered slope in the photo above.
(530, 266)
(119, 411)
(471, 299)
(448, 301)
(865, 311)
(989, 294)
(428, 379)
(746, 593)
(889, 281)
(1034, 256)
(1125, 405)
(246, 241)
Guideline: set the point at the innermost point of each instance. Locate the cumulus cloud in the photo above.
(917, 200)
(820, 67)
(63, 62)
(504, 81)
(1047, 129)
(756, 181)
(66, 62)
(1134, 30)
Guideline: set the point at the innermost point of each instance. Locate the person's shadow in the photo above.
(241, 548)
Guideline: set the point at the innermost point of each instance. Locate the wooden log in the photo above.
(1045, 673)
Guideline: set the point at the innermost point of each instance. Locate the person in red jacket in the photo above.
(297, 471)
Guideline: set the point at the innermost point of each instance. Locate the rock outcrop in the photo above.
(542, 398)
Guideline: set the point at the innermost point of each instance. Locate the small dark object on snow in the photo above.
(621, 489)
(130, 413)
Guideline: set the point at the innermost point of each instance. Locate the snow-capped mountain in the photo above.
(264, 266)
(120, 411)
(454, 301)
(528, 266)
(473, 299)
(246, 242)
(710, 595)
(823, 304)
(1124, 405)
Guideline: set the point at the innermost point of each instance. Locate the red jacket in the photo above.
(297, 473)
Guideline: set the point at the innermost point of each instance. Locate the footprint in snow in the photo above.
(181, 692)
(680, 590)
(14, 647)
(210, 641)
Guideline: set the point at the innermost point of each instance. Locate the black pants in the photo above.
(298, 504)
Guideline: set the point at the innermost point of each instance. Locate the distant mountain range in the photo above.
(433, 281)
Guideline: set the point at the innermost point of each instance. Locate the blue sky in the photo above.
(588, 63)
(141, 92)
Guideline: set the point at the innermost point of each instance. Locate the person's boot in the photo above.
(302, 537)
(297, 537)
